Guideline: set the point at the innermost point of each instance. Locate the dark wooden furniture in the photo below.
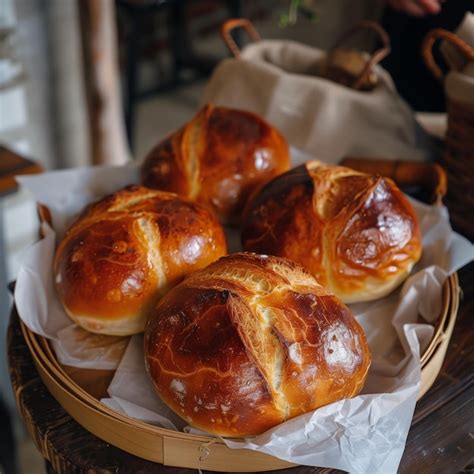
(135, 15)
(441, 438)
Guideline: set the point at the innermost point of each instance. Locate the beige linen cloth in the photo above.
(459, 83)
(318, 116)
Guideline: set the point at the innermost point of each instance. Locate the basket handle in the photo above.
(377, 55)
(441, 34)
(429, 176)
(232, 24)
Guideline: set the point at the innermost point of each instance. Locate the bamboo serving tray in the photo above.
(79, 390)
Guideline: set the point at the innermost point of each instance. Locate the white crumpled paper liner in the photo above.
(66, 193)
(363, 434)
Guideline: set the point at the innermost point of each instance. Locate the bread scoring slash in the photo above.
(218, 159)
(252, 341)
(356, 233)
(127, 250)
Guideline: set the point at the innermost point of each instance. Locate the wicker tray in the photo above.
(79, 390)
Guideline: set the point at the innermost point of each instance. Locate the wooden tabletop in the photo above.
(441, 439)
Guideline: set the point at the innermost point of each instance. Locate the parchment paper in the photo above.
(363, 434)
(66, 193)
(459, 83)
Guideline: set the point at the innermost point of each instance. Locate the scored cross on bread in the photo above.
(218, 158)
(356, 233)
(251, 341)
(127, 250)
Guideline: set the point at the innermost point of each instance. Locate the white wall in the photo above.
(44, 117)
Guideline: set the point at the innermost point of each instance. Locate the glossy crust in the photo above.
(126, 250)
(251, 341)
(356, 233)
(218, 159)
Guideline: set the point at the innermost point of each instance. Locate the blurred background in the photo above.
(87, 82)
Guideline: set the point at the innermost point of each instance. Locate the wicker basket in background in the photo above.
(458, 156)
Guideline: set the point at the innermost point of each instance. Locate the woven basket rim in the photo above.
(45, 359)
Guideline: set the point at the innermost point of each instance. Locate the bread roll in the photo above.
(356, 233)
(251, 341)
(218, 159)
(125, 251)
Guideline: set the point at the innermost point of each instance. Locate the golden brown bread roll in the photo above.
(251, 341)
(126, 250)
(218, 159)
(356, 233)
